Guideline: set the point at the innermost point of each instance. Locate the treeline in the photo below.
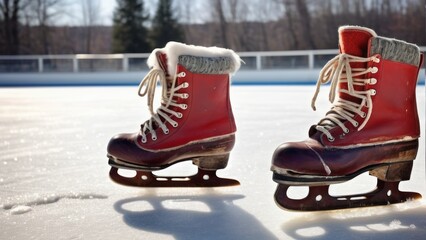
(243, 25)
(258, 25)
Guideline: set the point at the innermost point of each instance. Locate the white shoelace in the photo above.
(147, 87)
(338, 70)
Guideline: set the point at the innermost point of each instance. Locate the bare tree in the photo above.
(290, 18)
(43, 12)
(90, 11)
(30, 26)
(10, 20)
(223, 26)
(305, 22)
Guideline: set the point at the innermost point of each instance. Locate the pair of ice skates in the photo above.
(373, 124)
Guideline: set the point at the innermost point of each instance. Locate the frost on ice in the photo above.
(20, 209)
(24, 207)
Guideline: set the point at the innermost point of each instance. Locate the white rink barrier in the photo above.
(282, 67)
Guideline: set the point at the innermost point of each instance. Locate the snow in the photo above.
(54, 173)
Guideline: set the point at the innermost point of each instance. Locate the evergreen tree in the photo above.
(129, 32)
(165, 27)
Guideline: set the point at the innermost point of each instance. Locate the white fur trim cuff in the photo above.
(175, 49)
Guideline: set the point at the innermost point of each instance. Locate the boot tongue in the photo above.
(162, 61)
(354, 40)
(159, 59)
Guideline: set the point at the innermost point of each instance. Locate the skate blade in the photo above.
(313, 180)
(203, 178)
(318, 198)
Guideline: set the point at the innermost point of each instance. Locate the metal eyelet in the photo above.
(166, 131)
(363, 115)
(346, 130)
(179, 115)
(185, 96)
(185, 85)
(330, 139)
(175, 125)
(181, 74)
(376, 59)
(372, 81)
(184, 106)
(143, 140)
(154, 138)
(356, 124)
(374, 70)
(373, 92)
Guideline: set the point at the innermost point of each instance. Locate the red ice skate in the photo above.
(373, 126)
(194, 122)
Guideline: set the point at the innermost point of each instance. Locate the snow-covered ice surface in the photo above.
(54, 175)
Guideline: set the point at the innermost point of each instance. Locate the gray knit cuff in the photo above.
(395, 50)
(207, 65)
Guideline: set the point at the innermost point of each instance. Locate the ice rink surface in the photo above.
(54, 180)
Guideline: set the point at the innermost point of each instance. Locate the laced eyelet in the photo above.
(374, 70)
(373, 92)
(363, 115)
(372, 81)
(175, 125)
(346, 130)
(330, 139)
(166, 131)
(183, 106)
(376, 59)
(181, 74)
(154, 138)
(143, 140)
(185, 85)
(179, 115)
(356, 124)
(185, 96)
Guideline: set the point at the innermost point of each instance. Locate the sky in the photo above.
(107, 9)
(71, 11)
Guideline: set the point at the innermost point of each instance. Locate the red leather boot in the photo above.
(194, 121)
(373, 126)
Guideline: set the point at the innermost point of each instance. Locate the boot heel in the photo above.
(393, 172)
(212, 162)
